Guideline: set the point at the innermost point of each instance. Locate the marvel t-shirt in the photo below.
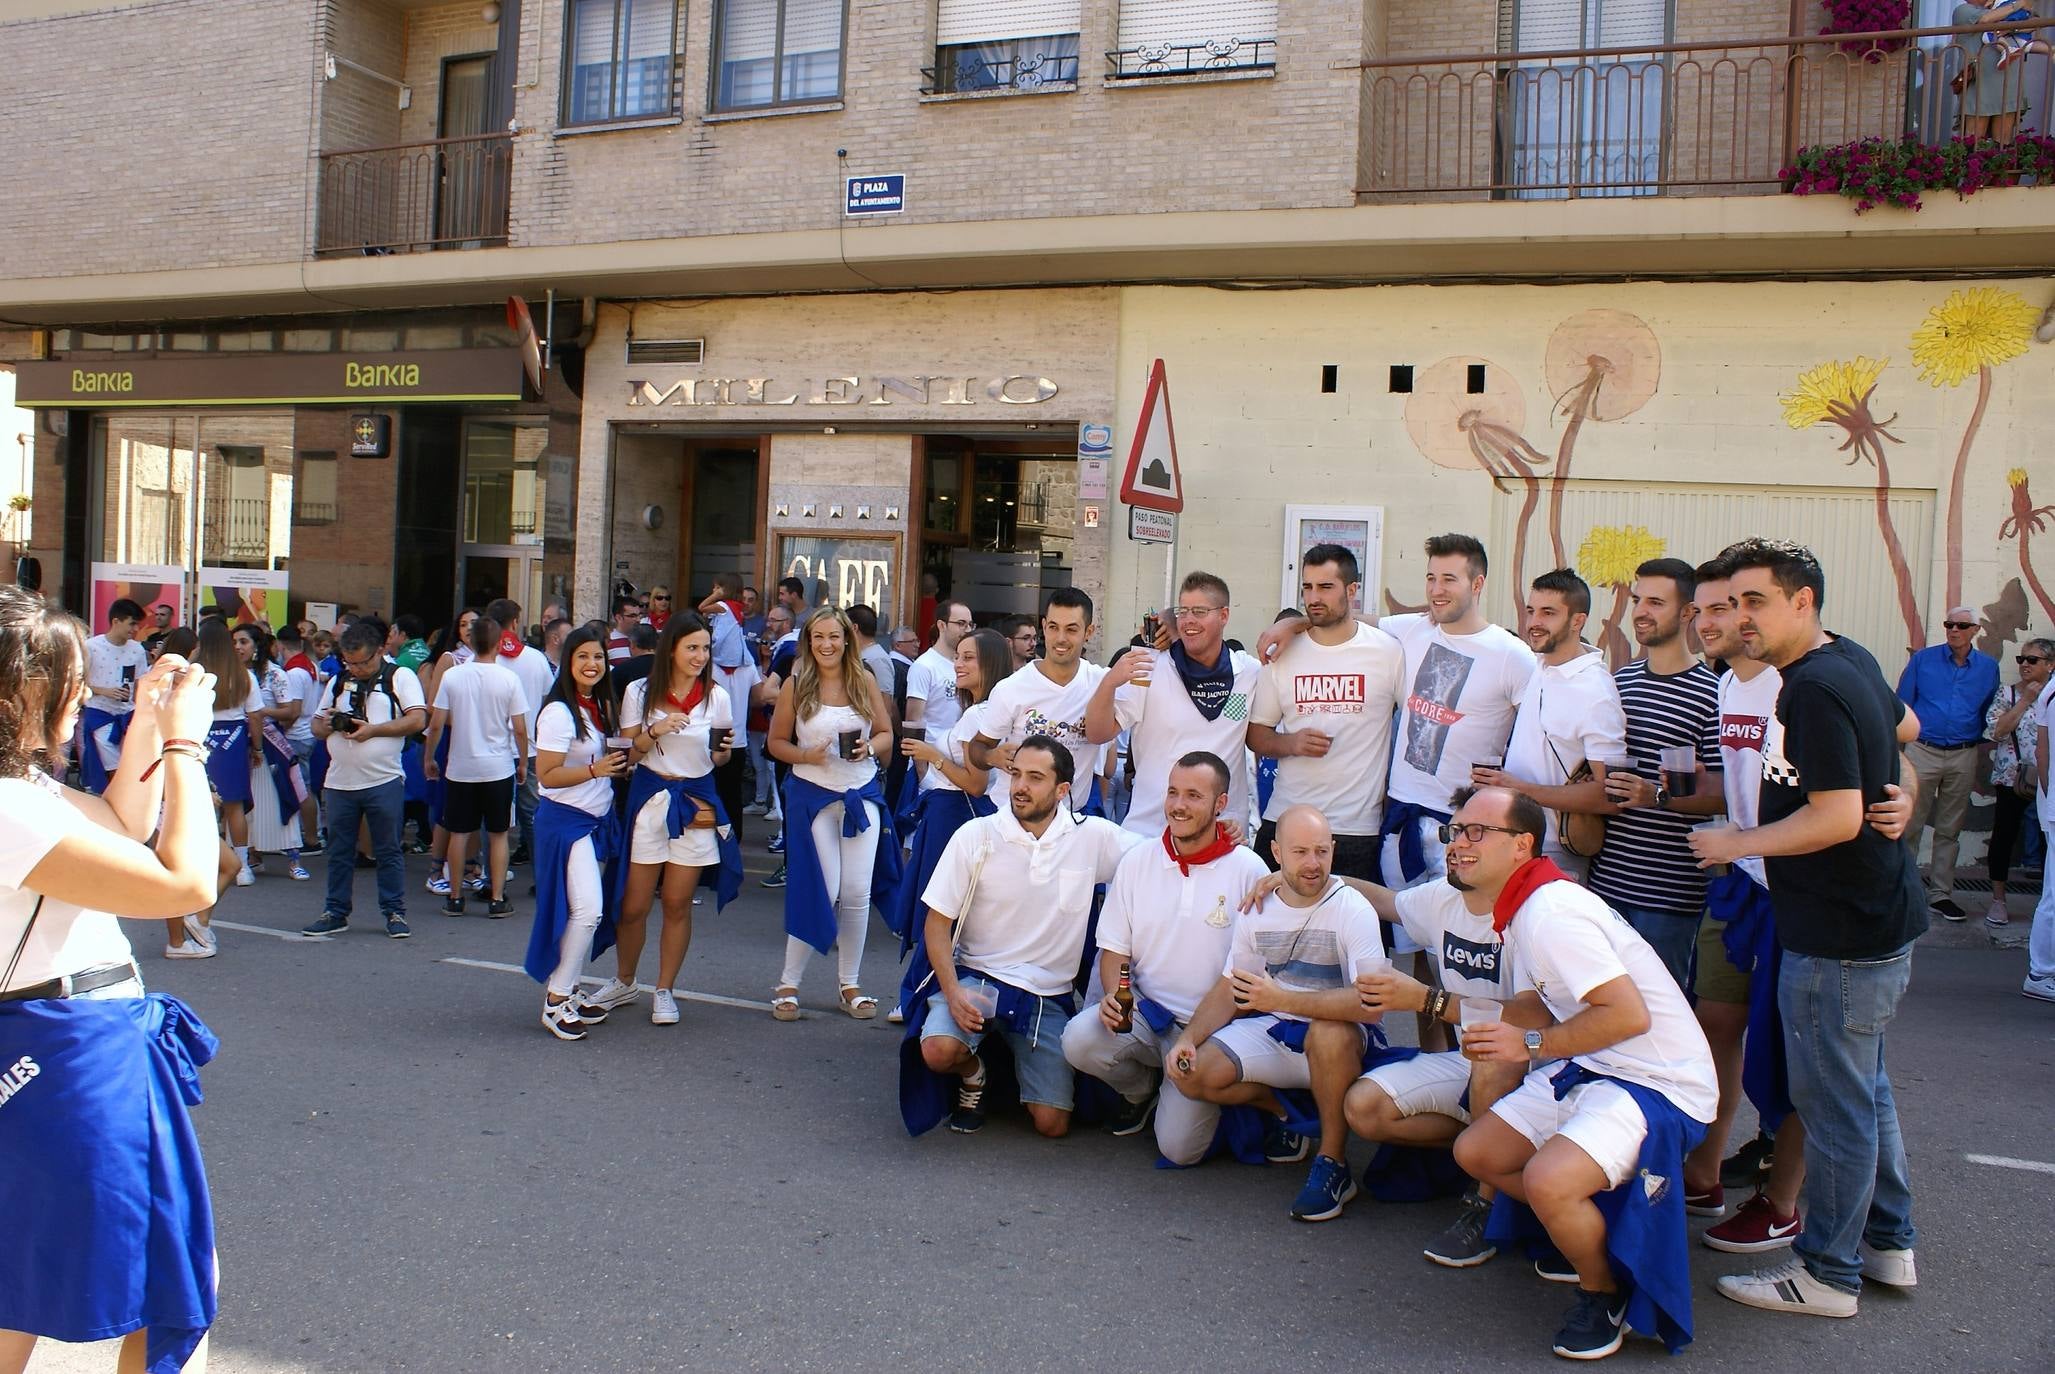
(1836, 731)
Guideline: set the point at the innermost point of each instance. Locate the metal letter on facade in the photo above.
(999, 386)
(916, 390)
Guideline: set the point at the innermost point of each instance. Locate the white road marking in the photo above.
(711, 999)
(292, 935)
(2032, 1166)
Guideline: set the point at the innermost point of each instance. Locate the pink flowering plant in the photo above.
(1893, 172)
(1867, 16)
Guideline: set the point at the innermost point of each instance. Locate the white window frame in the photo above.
(1369, 548)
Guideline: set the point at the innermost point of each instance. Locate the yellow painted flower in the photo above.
(1610, 553)
(1972, 330)
(2016, 477)
(1830, 391)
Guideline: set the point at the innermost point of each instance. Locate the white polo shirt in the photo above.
(1029, 899)
(1568, 713)
(1162, 725)
(1173, 927)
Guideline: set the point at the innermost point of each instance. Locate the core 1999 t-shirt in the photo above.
(1458, 707)
(1347, 692)
(1862, 898)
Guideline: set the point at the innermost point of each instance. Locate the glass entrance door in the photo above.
(492, 571)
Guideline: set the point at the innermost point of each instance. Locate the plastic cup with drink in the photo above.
(1716, 870)
(1478, 1011)
(846, 743)
(1680, 770)
(983, 998)
(1617, 766)
(717, 738)
(1490, 763)
(623, 746)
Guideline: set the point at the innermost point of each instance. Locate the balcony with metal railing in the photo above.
(1700, 118)
(1191, 59)
(416, 197)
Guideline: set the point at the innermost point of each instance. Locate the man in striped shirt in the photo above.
(1646, 870)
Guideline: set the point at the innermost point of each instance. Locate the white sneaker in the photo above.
(439, 885)
(1893, 1267)
(561, 1019)
(191, 950)
(245, 878)
(201, 935)
(1790, 1287)
(2040, 989)
(896, 1017)
(664, 1009)
(614, 993)
(1996, 916)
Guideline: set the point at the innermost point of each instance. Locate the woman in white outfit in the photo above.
(577, 835)
(271, 832)
(674, 717)
(830, 726)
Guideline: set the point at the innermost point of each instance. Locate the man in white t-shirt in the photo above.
(1569, 1133)
(931, 703)
(1285, 1012)
(528, 664)
(482, 705)
(1168, 922)
(1193, 695)
(115, 661)
(367, 713)
(1009, 904)
(1568, 717)
(1323, 710)
(1049, 697)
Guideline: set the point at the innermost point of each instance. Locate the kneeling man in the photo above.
(1635, 1095)
(1285, 1012)
(1169, 919)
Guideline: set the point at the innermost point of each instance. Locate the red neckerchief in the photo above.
(302, 661)
(657, 619)
(1526, 878)
(590, 706)
(1221, 845)
(510, 645)
(692, 698)
(734, 609)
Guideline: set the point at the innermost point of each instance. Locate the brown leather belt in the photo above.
(72, 984)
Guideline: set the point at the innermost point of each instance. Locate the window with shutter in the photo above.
(620, 59)
(1586, 125)
(774, 52)
(1023, 45)
(1171, 37)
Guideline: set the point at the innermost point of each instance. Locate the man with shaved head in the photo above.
(1285, 1012)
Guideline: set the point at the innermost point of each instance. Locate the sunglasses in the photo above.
(1473, 831)
(1958, 625)
(2023, 659)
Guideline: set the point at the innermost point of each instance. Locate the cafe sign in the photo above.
(244, 379)
(956, 390)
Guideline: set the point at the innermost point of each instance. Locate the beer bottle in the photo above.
(1124, 998)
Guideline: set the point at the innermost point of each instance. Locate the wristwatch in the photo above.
(1532, 1039)
(1662, 797)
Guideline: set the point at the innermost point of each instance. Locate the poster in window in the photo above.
(1359, 529)
(245, 595)
(149, 585)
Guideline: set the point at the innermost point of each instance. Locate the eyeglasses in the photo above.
(660, 598)
(961, 624)
(2023, 659)
(1958, 625)
(1473, 831)
(364, 662)
(1193, 612)
(1024, 637)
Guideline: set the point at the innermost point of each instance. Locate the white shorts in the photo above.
(653, 844)
(1602, 1119)
(1427, 1083)
(1260, 1059)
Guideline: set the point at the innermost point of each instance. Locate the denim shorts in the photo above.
(1038, 1062)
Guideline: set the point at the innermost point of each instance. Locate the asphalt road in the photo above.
(410, 1174)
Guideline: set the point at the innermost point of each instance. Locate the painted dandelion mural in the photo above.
(1607, 558)
(1839, 393)
(1600, 365)
(1454, 427)
(1970, 333)
(2026, 521)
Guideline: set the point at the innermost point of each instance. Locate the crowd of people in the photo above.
(1181, 887)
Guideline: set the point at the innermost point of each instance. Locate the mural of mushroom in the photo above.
(1971, 332)
(2026, 521)
(1600, 365)
(1454, 427)
(1607, 558)
(1839, 393)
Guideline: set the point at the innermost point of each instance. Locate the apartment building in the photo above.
(416, 303)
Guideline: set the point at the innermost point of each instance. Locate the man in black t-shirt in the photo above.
(1848, 905)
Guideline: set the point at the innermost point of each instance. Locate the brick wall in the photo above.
(159, 136)
(431, 36)
(359, 111)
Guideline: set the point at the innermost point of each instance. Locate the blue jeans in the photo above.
(380, 809)
(1856, 1187)
(1674, 938)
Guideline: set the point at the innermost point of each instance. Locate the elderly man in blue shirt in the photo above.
(1949, 685)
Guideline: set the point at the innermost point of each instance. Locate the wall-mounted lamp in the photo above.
(489, 13)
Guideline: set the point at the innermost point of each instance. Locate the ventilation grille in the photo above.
(666, 350)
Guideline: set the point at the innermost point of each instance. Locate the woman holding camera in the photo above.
(103, 1190)
(680, 725)
(831, 725)
(577, 835)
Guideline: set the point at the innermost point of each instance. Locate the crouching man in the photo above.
(1634, 1094)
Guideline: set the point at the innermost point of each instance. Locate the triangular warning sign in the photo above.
(1152, 479)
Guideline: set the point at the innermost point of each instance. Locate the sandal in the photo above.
(861, 1007)
(785, 1005)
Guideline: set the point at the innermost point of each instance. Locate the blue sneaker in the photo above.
(1595, 1327)
(1552, 1266)
(777, 844)
(329, 923)
(776, 879)
(1284, 1146)
(1329, 1188)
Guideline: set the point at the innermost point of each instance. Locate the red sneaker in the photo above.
(1710, 1203)
(1754, 1226)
